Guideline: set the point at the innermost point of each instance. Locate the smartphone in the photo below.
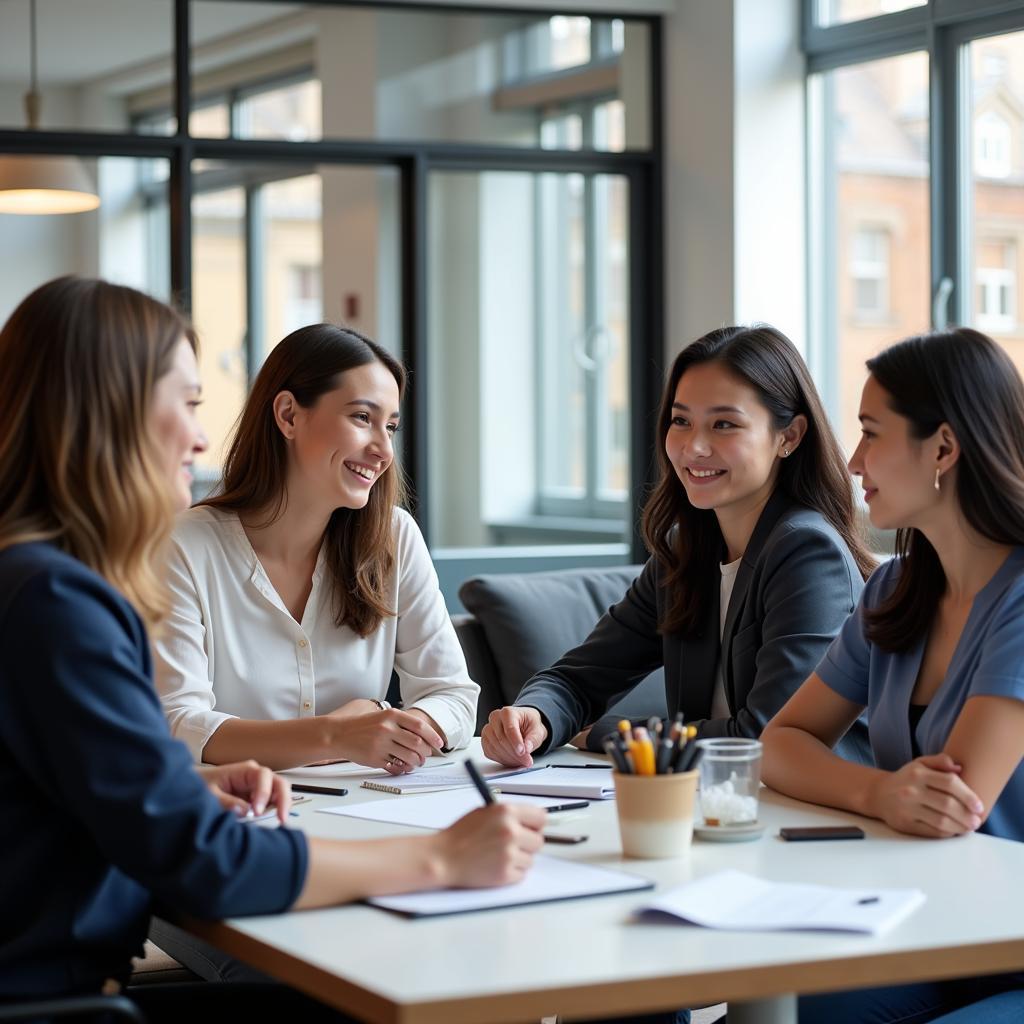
(554, 837)
(804, 835)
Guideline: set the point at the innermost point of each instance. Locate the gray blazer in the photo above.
(795, 587)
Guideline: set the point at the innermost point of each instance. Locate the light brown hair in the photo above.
(359, 544)
(79, 361)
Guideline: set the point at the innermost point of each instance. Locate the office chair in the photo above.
(72, 1006)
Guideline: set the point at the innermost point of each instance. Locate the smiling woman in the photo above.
(755, 559)
(303, 584)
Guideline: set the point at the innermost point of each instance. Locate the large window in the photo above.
(917, 166)
(380, 166)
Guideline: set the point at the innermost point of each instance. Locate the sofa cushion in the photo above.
(529, 620)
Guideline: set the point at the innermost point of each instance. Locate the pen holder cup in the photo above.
(730, 777)
(655, 813)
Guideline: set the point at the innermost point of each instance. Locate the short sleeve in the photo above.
(1000, 671)
(847, 662)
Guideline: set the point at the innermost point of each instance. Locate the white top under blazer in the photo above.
(230, 648)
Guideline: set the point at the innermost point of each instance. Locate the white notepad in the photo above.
(550, 878)
(554, 780)
(430, 810)
(738, 901)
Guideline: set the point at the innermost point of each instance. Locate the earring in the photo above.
(785, 453)
(938, 473)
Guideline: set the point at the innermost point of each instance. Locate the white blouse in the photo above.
(230, 648)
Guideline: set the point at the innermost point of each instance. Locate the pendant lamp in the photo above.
(43, 184)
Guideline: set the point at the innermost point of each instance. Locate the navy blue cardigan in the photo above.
(102, 811)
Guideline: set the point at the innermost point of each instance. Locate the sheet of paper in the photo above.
(738, 901)
(429, 810)
(550, 878)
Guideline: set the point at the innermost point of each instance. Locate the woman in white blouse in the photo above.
(302, 584)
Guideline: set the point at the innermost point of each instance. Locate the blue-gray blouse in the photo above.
(988, 661)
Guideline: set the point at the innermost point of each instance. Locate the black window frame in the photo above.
(415, 160)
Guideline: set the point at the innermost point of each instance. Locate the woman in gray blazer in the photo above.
(756, 560)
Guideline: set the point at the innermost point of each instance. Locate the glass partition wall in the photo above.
(479, 191)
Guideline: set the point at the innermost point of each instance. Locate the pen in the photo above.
(612, 749)
(576, 805)
(329, 790)
(665, 751)
(643, 753)
(478, 780)
(606, 767)
(691, 758)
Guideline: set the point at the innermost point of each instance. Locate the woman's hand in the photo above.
(926, 797)
(512, 734)
(491, 846)
(246, 786)
(396, 740)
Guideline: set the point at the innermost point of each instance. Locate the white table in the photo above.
(588, 958)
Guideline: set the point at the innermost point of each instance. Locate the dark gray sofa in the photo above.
(520, 623)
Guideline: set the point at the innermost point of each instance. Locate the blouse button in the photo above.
(302, 642)
(307, 705)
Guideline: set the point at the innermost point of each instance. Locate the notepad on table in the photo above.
(554, 780)
(738, 901)
(430, 810)
(550, 879)
(428, 778)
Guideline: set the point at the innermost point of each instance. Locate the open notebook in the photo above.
(737, 901)
(550, 878)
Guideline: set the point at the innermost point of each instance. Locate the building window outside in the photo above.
(869, 267)
(997, 287)
(992, 142)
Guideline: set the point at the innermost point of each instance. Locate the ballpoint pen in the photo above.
(488, 796)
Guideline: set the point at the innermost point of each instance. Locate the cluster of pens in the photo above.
(652, 750)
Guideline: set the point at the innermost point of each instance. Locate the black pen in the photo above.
(611, 748)
(299, 787)
(606, 767)
(478, 780)
(691, 758)
(576, 805)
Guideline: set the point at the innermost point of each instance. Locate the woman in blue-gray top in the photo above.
(103, 809)
(935, 649)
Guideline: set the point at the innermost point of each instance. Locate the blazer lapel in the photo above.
(777, 505)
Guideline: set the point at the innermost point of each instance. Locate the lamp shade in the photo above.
(45, 184)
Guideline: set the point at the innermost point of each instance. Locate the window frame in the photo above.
(414, 160)
(941, 29)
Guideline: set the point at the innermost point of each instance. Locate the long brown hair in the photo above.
(359, 543)
(79, 359)
(688, 541)
(963, 378)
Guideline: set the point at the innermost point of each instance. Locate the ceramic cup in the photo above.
(655, 813)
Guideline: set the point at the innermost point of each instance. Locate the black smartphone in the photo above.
(805, 835)
(554, 837)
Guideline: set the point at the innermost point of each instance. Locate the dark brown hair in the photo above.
(688, 541)
(79, 361)
(359, 543)
(962, 378)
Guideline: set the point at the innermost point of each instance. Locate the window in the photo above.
(380, 165)
(991, 146)
(871, 246)
(997, 286)
(869, 266)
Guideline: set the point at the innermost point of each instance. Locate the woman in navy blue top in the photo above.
(102, 809)
(935, 649)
